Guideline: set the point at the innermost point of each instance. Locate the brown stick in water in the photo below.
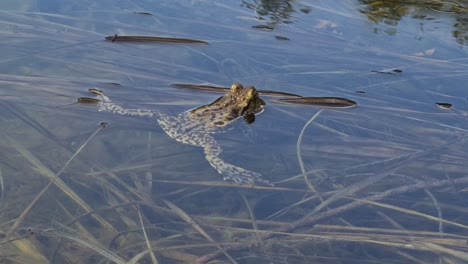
(154, 39)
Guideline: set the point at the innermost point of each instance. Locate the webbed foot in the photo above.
(242, 176)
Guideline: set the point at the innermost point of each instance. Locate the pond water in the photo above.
(383, 181)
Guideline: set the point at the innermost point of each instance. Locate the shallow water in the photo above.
(52, 52)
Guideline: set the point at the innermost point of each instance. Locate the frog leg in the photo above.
(107, 105)
(212, 151)
(229, 171)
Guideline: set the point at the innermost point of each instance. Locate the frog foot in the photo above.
(240, 175)
(99, 95)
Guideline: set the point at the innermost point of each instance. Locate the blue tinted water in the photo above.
(52, 52)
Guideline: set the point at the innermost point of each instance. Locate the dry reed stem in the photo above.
(197, 227)
(53, 179)
(147, 242)
(314, 219)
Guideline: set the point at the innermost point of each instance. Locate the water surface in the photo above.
(128, 186)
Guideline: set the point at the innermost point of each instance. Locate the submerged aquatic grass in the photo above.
(53, 179)
(384, 180)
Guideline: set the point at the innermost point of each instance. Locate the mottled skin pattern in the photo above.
(196, 127)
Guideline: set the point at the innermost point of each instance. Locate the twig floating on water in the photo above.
(203, 88)
(337, 102)
(154, 39)
(88, 100)
(220, 89)
(143, 13)
(281, 37)
(277, 94)
(444, 106)
(263, 27)
(389, 71)
(111, 83)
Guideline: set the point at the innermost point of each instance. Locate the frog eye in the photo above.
(237, 87)
(251, 92)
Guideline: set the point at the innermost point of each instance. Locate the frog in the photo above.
(198, 126)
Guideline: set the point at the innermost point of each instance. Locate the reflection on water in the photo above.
(277, 11)
(391, 12)
(383, 181)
